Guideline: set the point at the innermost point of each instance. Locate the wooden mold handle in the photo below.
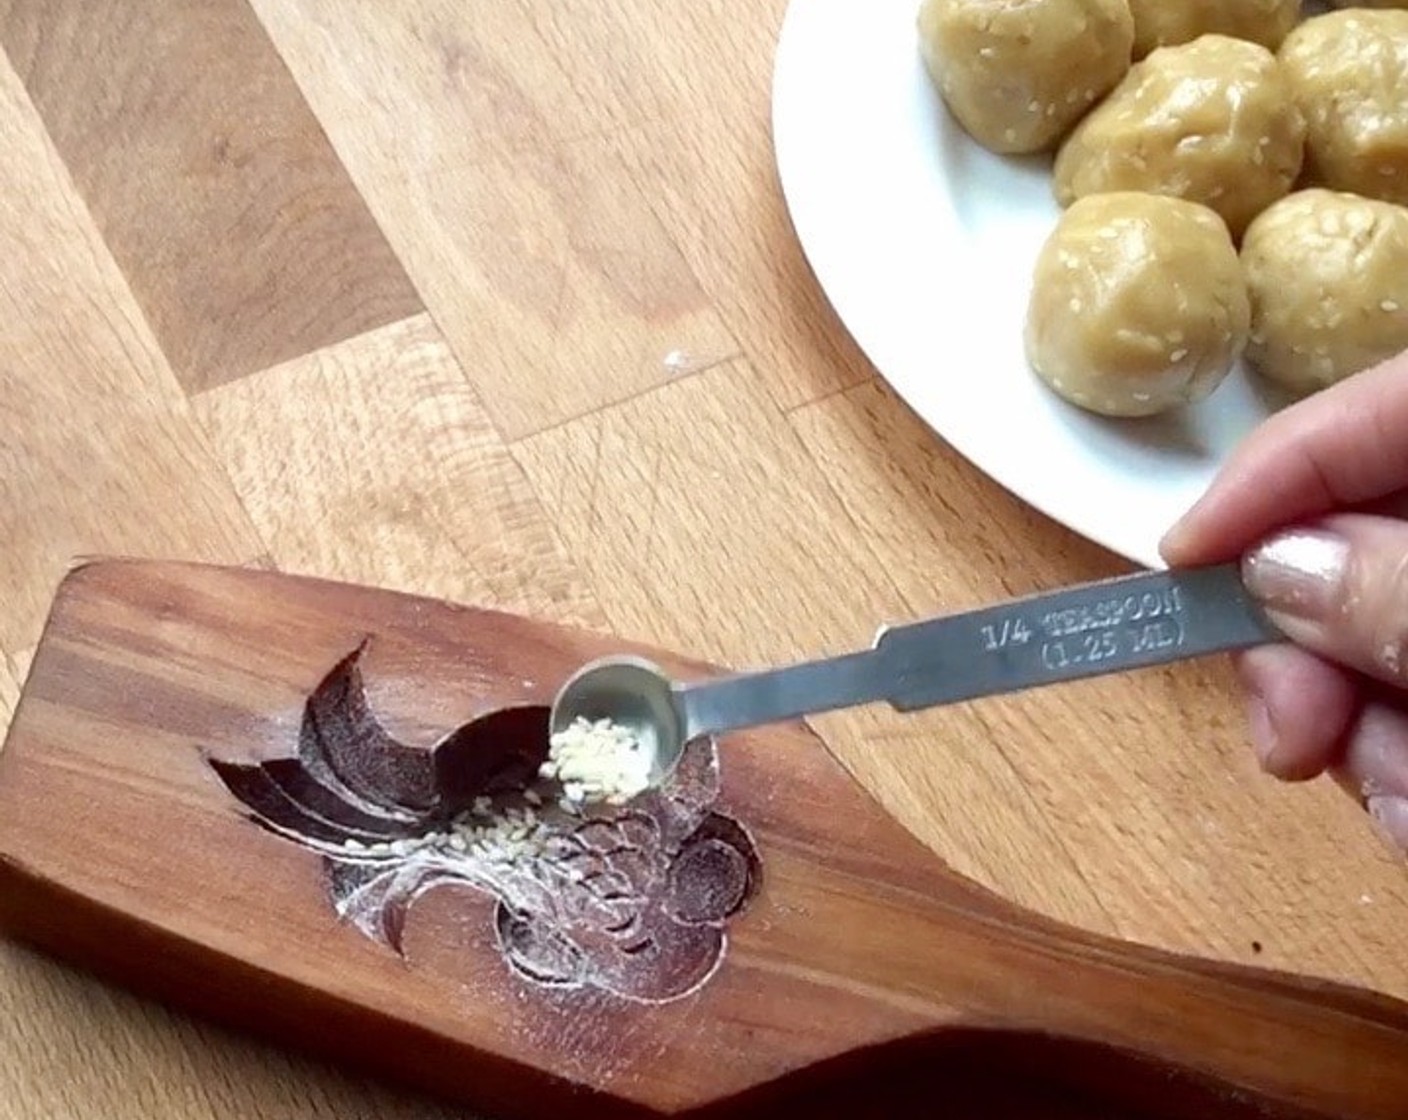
(1099, 1012)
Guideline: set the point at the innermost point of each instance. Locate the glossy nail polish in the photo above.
(1298, 572)
(1390, 815)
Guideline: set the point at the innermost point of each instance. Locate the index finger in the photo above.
(1343, 446)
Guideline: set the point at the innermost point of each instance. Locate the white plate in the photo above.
(924, 244)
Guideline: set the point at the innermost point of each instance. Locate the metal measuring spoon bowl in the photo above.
(632, 693)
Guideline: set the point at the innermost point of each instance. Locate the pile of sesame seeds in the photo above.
(597, 761)
(591, 761)
(504, 836)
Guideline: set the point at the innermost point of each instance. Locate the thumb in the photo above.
(1339, 587)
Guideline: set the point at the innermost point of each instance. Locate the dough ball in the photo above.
(1164, 23)
(1137, 304)
(1211, 121)
(1017, 76)
(1327, 274)
(1349, 74)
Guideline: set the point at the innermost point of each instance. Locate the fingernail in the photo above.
(1298, 572)
(1171, 538)
(1262, 732)
(1390, 815)
(1171, 544)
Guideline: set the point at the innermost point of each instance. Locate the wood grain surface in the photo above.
(210, 180)
(503, 304)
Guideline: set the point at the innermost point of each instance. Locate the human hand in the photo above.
(1315, 504)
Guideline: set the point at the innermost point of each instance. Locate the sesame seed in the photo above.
(1388, 305)
(1178, 355)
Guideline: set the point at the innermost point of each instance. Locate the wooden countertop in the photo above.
(500, 303)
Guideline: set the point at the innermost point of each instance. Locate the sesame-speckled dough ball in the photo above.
(1017, 76)
(1137, 304)
(1327, 274)
(1211, 121)
(1349, 74)
(1163, 23)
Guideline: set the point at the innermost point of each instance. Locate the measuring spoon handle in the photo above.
(1092, 629)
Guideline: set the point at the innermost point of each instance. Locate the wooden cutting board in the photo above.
(197, 745)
